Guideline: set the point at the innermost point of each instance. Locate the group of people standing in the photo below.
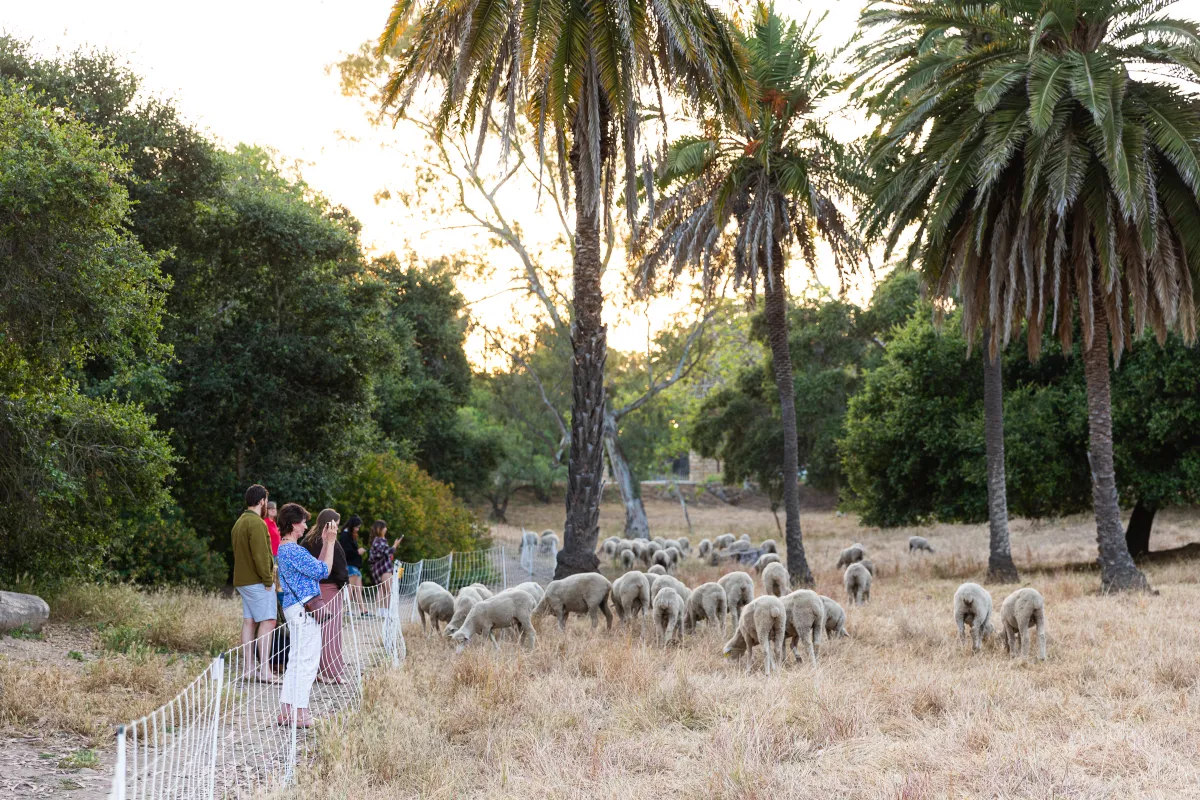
(279, 561)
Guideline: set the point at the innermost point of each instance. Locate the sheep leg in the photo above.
(424, 629)
(608, 618)
(812, 649)
(1023, 632)
(962, 632)
(492, 636)
(594, 616)
(976, 636)
(562, 619)
(1041, 639)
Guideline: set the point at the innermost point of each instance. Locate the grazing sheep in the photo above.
(852, 554)
(631, 596)
(609, 547)
(467, 598)
(662, 559)
(723, 541)
(484, 592)
(627, 559)
(667, 613)
(684, 544)
(436, 603)
(763, 622)
(805, 621)
(763, 560)
(549, 543)
(835, 618)
(745, 537)
(585, 593)
(660, 541)
(509, 609)
(769, 546)
(973, 606)
(675, 553)
(708, 602)
(704, 549)
(672, 543)
(775, 580)
(532, 589)
(657, 569)
(664, 581)
(1021, 609)
(648, 552)
(857, 581)
(739, 592)
(916, 543)
(638, 547)
(529, 542)
(869, 566)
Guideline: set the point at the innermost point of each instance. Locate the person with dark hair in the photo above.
(254, 577)
(381, 559)
(354, 551)
(272, 528)
(330, 616)
(299, 574)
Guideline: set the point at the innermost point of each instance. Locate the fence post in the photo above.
(118, 784)
(420, 572)
(503, 568)
(218, 675)
(397, 646)
(449, 570)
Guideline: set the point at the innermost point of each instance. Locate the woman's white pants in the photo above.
(304, 656)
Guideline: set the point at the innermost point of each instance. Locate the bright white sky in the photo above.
(255, 71)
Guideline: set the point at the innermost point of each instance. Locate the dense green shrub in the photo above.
(165, 550)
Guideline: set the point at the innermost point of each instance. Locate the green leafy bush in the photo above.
(433, 521)
(164, 550)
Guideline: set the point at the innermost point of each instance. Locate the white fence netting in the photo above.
(221, 736)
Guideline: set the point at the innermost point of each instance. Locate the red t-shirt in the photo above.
(273, 532)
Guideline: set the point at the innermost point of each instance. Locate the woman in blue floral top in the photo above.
(299, 576)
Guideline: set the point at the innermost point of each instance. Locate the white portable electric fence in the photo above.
(220, 736)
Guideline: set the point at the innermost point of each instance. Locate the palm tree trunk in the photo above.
(589, 344)
(1117, 570)
(636, 524)
(1000, 564)
(775, 297)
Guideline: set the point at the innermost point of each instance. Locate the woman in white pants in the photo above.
(299, 574)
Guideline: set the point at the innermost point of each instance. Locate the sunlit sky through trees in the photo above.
(257, 71)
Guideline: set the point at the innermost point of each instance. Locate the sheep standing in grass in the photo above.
(707, 602)
(585, 593)
(851, 555)
(973, 606)
(745, 537)
(663, 581)
(657, 569)
(667, 613)
(1020, 610)
(723, 541)
(662, 559)
(763, 622)
(805, 621)
(704, 549)
(484, 592)
(769, 546)
(548, 545)
(529, 543)
(835, 618)
(532, 589)
(857, 581)
(684, 544)
(675, 554)
(775, 580)
(918, 543)
(463, 603)
(509, 609)
(739, 592)
(764, 560)
(435, 603)
(627, 559)
(609, 547)
(631, 596)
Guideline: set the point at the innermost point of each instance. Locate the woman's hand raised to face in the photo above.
(329, 534)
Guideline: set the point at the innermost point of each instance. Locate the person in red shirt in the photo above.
(272, 527)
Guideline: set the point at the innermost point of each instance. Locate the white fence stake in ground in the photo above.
(395, 641)
(118, 788)
(218, 676)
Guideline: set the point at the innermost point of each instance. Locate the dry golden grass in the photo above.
(900, 710)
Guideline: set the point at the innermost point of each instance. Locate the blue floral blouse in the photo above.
(299, 574)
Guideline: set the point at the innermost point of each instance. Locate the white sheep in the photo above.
(631, 596)
(664, 581)
(769, 546)
(660, 541)
(627, 559)
(723, 541)
(707, 602)
(609, 546)
(675, 554)
(857, 581)
(764, 559)
(775, 580)
(763, 622)
(869, 566)
(916, 543)
(585, 593)
(529, 542)
(667, 614)
(835, 618)
(739, 546)
(484, 592)
(467, 598)
(436, 603)
(657, 569)
(509, 609)
(1020, 610)
(973, 606)
(704, 549)
(745, 537)
(684, 544)
(533, 589)
(739, 592)
(662, 559)
(548, 545)
(852, 554)
(805, 621)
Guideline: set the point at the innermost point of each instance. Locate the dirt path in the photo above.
(52, 766)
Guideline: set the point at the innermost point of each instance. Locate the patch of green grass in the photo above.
(24, 632)
(126, 639)
(75, 655)
(80, 759)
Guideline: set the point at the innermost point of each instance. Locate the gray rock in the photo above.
(22, 609)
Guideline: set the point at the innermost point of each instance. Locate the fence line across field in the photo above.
(220, 736)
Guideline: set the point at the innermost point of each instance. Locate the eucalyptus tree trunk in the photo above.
(1117, 570)
(1000, 564)
(636, 524)
(775, 297)
(589, 344)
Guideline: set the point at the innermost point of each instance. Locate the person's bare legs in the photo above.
(356, 594)
(247, 638)
(385, 589)
(265, 673)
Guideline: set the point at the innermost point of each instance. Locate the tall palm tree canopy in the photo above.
(576, 67)
(776, 172)
(1041, 151)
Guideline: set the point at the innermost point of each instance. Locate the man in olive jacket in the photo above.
(254, 579)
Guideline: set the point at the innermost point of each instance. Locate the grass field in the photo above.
(899, 710)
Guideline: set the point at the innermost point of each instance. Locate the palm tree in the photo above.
(576, 69)
(769, 180)
(1047, 158)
